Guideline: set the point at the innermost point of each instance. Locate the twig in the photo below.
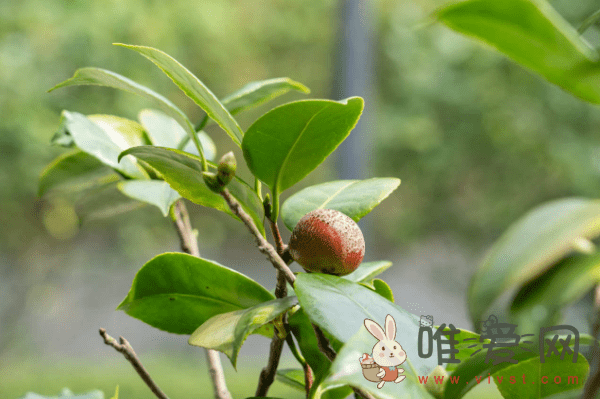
(592, 385)
(263, 245)
(181, 218)
(267, 375)
(189, 244)
(323, 343)
(125, 348)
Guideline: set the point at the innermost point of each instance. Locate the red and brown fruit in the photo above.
(327, 241)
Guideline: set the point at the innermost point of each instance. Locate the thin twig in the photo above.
(592, 385)
(263, 245)
(189, 244)
(589, 21)
(267, 375)
(323, 343)
(181, 218)
(125, 348)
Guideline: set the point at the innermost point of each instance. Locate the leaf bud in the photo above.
(226, 168)
(211, 180)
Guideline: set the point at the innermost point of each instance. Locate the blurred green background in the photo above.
(476, 140)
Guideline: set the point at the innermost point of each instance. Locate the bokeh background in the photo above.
(476, 140)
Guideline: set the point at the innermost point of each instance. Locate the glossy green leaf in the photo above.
(293, 378)
(382, 288)
(102, 77)
(465, 346)
(123, 132)
(303, 332)
(355, 198)
(572, 376)
(183, 172)
(176, 292)
(256, 93)
(531, 246)
(226, 332)
(346, 369)
(153, 192)
(533, 34)
(165, 131)
(193, 88)
(367, 270)
(67, 394)
(100, 142)
(288, 142)
(74, 171)
(476, 366)
(540, 302)
(340, 307)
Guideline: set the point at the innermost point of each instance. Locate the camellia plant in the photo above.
(163, 158)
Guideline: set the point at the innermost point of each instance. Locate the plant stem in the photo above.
(589, 21)
(592, 385)
(125, 348)
(308, 374)
(267, 375)
(189, 244)
(263, 245)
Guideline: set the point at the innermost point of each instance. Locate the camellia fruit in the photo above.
(327, 241)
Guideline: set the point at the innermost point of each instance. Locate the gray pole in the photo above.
(353, 77)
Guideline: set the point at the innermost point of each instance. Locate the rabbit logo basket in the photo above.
(382, 365)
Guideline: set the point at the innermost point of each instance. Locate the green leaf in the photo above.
(153, 192)
(116, 393)
(102, 140)
(67, 394)
(380, 287)
(123, 132)
(533, 34)
(226, 332)
(531, 246)
(183, 172)
(534, 371)
(346, 369)
(165, 131)
(305, 335)
(74, 171)
(293, 378)
(476, 366)
(256, 93)
(102, 77)
(541, 301)
(288, 142)
(340, 307)
(193, 88)
(176, 292)
(368, 270)
(355, 198)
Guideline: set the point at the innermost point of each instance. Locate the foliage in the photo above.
(184, 294)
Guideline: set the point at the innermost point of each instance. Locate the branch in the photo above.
(181, 218)
(263, 245)
(267, 375)
(592, 385)
(189, 244)
(125, 348)
(323, 343)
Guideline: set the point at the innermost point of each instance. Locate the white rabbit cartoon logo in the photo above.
(382, 365)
